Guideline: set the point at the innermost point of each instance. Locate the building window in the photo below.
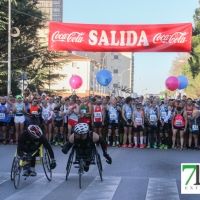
(115, 85)
(115, 71)
(115, 56)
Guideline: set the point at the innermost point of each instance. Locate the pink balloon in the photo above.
(172, 83)
(75, 82)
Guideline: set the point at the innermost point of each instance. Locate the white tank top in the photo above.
(73, 116)
(46, 113)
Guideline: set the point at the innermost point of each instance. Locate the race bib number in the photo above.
(97, 114)
(163, 114)
(152, 118)
(83, 111)
(112, 116)
(2, 115)
(138, 121)
(34, 112)
(128, 115)
(179, 123)
(46, 115)
(195, 127)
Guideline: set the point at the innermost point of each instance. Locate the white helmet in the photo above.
(81, 128)
(35, 131)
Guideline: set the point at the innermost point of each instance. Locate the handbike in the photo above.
(18, 163)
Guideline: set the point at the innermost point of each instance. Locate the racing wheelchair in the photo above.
(18, 164)
(79, 161)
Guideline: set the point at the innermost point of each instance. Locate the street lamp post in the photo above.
(122, 74)
(102, 65)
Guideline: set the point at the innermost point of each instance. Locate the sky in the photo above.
(151, 69)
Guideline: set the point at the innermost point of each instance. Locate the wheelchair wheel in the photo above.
(12, 169)
(99, 165)
(80, 171)
(16, 174)
(69, 163)
(46, 165)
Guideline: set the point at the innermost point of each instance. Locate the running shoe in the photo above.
(148, 147)
(162, 146)
(189, 148)
(113, 145)
(118, 145)
(61, 144)
(181, 148)
(142, 146)
(130, 146)
(4, 142)
(173, 147)
(155, 146)
(165, 147)
(195, 148)
(136, 146)
(124, 146)
(57, 143)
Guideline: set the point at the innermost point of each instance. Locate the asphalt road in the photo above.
(135, 174)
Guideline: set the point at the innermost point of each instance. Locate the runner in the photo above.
(19, 109)
(113, 121)
(58, 124)
(34, 112)
(194, 127)
(165, 113)
(146, 107)
(47, 120)
(153, 115)
(138, 121)
(179, 122)
(73, 113)
(127, 115)
(4, 111)
(98, 117)
(86, 111)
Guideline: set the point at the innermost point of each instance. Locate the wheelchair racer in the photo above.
(85, 141)
(29, 141)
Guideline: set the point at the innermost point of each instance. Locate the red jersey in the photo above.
(97, 113)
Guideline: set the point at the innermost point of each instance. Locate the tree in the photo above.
(194, 60)
(28, 54)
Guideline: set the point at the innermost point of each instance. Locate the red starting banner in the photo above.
(120, 38)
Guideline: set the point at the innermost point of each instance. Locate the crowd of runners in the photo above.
(122, 122)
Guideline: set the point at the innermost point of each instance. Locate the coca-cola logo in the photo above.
(177, 37)
(67, 37)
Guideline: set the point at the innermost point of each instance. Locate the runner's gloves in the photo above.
(108, 158)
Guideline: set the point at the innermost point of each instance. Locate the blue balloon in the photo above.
(104, 77)
(183, 82)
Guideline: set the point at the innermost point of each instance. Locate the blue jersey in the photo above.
(138, 118)
(153, 115)
(163, 112)
(128, 112)
(19, 108)
(113, 114)
(3, 116)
